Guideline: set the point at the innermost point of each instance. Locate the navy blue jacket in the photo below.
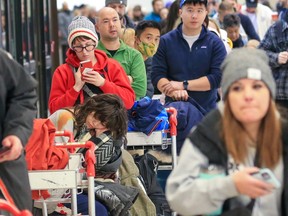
(248, 27)
(238, 43)
(175, 60)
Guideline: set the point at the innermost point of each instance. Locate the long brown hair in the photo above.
(269, 143)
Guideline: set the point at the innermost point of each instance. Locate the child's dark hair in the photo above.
(231, 20)
(140, 28)
(108, 109)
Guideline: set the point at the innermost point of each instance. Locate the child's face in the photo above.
(94, 125)
(233, 32)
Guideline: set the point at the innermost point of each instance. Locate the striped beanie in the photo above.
(81, 26)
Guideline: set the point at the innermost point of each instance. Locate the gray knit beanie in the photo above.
(81, 26)
(246, 63)
(107, 2)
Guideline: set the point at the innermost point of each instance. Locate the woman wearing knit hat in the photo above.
(220, 169)
(69, 87)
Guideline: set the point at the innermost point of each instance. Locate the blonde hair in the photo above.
(128, 36)
(269, 143)
(217, 28)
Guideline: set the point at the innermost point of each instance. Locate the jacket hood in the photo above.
(73, 60)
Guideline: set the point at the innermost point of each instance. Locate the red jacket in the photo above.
(41, 154)
(62, 93)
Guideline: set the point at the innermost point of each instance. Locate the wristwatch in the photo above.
(185, 84)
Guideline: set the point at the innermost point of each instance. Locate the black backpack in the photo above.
(148, 167)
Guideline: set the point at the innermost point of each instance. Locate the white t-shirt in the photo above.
(253, 18)
(191, 39)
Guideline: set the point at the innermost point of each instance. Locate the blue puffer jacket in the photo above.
(175, 60)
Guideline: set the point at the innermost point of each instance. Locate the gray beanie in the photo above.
(107, 2)
(246, 63)
(81, 26)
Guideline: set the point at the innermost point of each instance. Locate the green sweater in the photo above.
(133, 64)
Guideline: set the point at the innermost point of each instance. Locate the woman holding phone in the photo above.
(220, 159)
(69, 87)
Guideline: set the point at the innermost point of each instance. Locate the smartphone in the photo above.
(267, 176)
(86, 66)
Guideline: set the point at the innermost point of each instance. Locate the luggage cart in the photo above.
(140, 140)
(67, 178)
(158, 138)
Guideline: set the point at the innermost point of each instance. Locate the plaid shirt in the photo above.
(274, 42)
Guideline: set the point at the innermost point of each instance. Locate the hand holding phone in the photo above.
(267, 176)
(86, 66)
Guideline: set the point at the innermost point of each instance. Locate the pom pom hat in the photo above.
(81, 26)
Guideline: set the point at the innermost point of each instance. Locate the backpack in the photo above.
(148, 167)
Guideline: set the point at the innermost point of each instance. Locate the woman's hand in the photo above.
(93, 77)
(79, 83)
(248, 185)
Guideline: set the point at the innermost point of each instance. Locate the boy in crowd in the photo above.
(147, 37)
(231, 24)
(186, 67)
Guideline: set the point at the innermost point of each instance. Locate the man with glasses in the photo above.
(186, 67)
(109, 27)
(70, 87)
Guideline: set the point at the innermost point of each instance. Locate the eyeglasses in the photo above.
(194, 12)
(88, 48)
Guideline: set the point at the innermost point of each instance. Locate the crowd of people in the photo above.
(223, 66)
(182, 55)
